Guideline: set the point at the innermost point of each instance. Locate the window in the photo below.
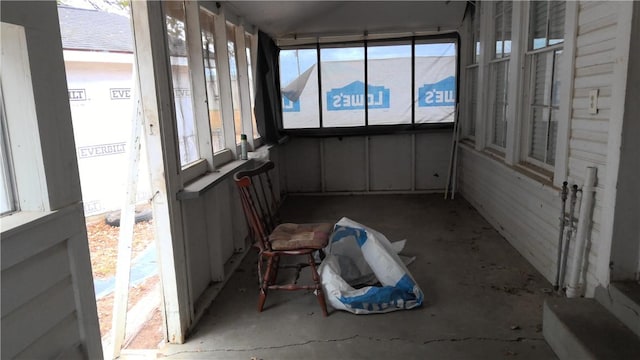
(498, 74)
(247, 42)
(400, 82)
(343, 100)
(211, 79)
(472, 73)
(299, 82)
(7, 197)
(389, 71)
(181, 81)
(435, 82)
(546, 35)
(235, 86)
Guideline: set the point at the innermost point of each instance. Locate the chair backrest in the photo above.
(259, 202)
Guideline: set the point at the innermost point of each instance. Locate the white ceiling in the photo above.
(309, 19)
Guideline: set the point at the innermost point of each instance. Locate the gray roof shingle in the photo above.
(84, 29)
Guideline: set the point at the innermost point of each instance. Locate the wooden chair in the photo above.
(274, 240)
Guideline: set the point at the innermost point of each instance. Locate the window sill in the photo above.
(199, 186)
(12, 223)
(208, 180)
(537, 173)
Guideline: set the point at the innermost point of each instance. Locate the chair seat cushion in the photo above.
(300, 236)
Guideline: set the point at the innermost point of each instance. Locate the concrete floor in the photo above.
(482, 299)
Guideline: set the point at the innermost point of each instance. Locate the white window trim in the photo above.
(22, 122)
(514, 88)
(198, 94)
(243, 83)
(468, 56)
(558, 172)
(492, 102)
(565, 93)
(527, 112)
(210, 160)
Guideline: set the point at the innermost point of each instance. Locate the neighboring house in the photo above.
(98, 56)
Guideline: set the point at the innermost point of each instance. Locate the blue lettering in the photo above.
(442, 93)
(351, 97)
(290, 106)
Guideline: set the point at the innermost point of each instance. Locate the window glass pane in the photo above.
(476, 33)
(177, 42)
(538, 11)
(211, 78)
(299, 88)
(555, 99)
(498, 35)
(543, 68)
(435, 82)
(502, 28)
(342, 86)
(543, 113)
(508, 7)
(389, 84)
(556, 22)
(7, 203)
(551, 140)
(472, 74)
(235, 89)
(499, 83)
(539, 128)
(247, 41)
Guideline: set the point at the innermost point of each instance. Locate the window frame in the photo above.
(367, 129)
(9, 180)
(518, 84)
(209, 159)
(558, 171)
(23, 130)
(528, 109)
(472, 69)
(493, 63)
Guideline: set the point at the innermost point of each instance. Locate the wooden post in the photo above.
(127, 221)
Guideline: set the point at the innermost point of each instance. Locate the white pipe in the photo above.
(584, 223)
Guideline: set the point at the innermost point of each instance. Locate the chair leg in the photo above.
(316, 279)
(264, 282)
(276, 266)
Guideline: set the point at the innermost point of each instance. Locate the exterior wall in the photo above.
(100, 95)
(526, 211)
(380, 163)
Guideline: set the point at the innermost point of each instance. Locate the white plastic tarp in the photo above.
(388, 93)
(353, 254)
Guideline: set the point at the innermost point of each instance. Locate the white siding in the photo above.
(525, 211)
(41, 285)
(598, 30)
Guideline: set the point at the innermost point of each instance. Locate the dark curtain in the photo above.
(268, 104)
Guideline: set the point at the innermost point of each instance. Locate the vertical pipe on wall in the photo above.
(584, 223)
(563, 222)
(565, 245)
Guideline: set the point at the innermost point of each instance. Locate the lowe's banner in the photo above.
(388, 95)
(351, 97)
